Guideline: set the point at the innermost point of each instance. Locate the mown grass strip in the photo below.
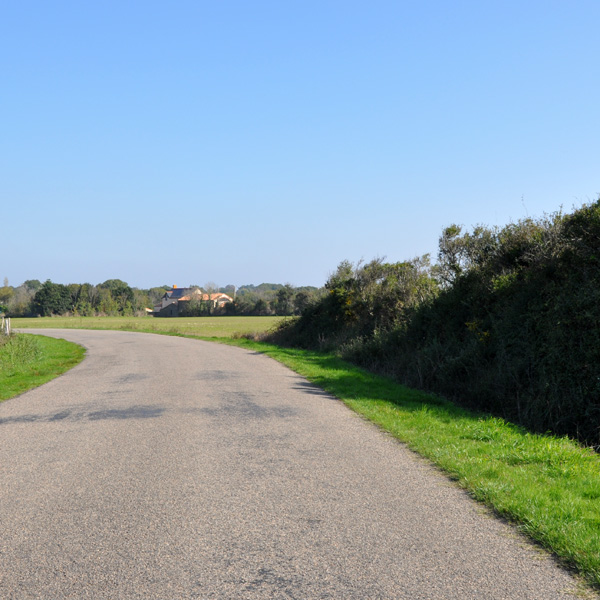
(548, 486)
(27, 361)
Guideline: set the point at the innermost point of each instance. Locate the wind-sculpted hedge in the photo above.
(507, 321)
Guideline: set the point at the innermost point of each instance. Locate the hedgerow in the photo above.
(507, 321)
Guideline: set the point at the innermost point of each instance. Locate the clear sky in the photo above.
(265, 141)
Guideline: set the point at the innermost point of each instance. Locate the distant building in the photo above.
(176, 301)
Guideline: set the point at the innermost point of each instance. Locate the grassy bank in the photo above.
(27, 361)
(195, 326)
(548, 486)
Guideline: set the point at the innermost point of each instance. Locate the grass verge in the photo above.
(27, 361)
(548, 486)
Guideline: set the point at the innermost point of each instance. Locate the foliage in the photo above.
(6, 293)
(122, 298)
(52, 299)
(361, 302)
(507, 321)
(516, 331)
(32, 285)
(272, 299)
(115, 297)
(154, 295)
(197, 306)
(284, 300)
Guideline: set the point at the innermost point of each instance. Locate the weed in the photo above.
(16, 351)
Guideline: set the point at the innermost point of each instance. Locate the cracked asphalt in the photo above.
(168, 468)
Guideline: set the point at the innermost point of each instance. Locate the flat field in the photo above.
(197, 326)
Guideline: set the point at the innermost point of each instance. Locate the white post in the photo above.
(5, 327)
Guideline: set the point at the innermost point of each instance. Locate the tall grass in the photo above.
(17, 350)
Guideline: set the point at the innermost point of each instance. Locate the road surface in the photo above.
(167, 468)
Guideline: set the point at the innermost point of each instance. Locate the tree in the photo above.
(106, 304)
(210, 288)
(122, 295)
(19, 304)
(52, 299)
(229, 290)
(283, 303)
(32, 285)
(459, 253)
(6, 292)
(155, 294)
(261, 307)
(301, 301)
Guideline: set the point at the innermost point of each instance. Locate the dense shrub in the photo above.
(517, 333)
(512, 326)
(362, 302)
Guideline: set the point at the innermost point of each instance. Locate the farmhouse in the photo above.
(177, 301)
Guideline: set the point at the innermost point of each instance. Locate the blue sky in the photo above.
(248, 142)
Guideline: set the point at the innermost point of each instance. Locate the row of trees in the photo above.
(263, 300)
(272, 299)
(113, 297)
(116, 297)
(506, 321)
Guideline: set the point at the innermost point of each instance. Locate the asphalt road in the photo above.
(163, 467)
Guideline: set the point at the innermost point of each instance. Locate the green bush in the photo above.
(507, 321)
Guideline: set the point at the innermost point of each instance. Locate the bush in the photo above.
(507, 321)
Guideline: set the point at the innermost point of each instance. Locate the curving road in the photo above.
(168, 468)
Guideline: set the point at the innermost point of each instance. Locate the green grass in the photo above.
(548, 486)
(27, 361)
(193, 326)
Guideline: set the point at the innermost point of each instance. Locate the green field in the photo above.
(196, 326)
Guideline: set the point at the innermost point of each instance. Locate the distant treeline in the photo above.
(507, 321)
(272, 299)
(115, 297)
